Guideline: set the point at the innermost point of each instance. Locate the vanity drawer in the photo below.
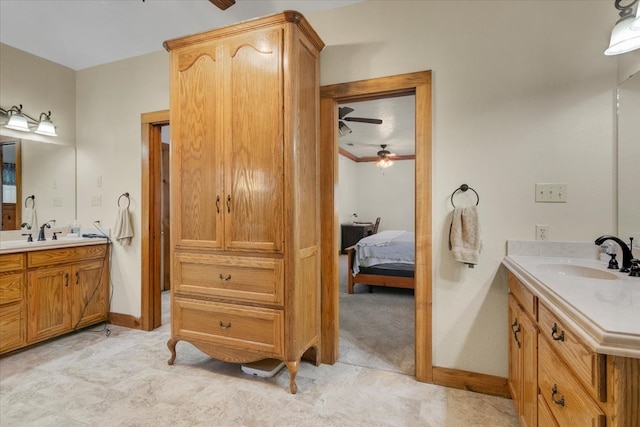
(65, 255)
(589, 367)
(12, 327)
(12, 262)
(565, 397)
(524, 296)
(246, 279)
(12, 288)
(244, 328)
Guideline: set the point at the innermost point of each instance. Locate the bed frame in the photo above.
(375, 279)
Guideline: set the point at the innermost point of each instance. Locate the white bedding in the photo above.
(386, 247)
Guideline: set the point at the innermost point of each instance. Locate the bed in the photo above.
(383, 259)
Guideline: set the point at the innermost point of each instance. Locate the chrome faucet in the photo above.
(45, 225)
(626, 251)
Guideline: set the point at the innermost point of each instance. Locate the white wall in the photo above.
(372, 192)
(110, 100)
(521, 94)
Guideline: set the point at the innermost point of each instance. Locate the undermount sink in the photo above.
(577, 271)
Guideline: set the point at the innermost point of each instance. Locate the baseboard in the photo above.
(125, 320)
(471, 381)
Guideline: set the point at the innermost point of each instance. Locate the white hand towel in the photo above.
(464, 235)
(29, 217)
(123, 231)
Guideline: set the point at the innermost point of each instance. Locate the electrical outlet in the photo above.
(58, 201)
(96, 200)
(542, 231)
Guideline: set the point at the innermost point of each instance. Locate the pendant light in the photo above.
(623, 38)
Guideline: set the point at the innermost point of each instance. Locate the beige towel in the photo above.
(464, 235)
(123, 231)
(29, 217)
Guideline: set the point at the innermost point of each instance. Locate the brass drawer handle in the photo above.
(225, 325)
(554, 333)
(227, 278)
(554, 391)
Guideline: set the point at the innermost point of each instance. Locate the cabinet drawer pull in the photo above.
(228, 277)
(514, 324)
(66, 279)
(225, 325)
(554, 391)
(228, 203)
(77, 277)
(218, 204)
(554, 333)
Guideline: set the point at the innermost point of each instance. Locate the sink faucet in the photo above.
(626, 251)
(45, 225)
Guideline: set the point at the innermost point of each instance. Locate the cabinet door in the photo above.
(48, 303)
(196, 146)
(90, 293)
(529, 375)
(254, 137)
(12, 312)
(515, 353)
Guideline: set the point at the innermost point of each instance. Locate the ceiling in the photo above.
(84, 33)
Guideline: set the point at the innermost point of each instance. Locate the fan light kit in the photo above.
(342, 126)
(384, 161)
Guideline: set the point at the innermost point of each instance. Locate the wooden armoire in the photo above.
(245, 191)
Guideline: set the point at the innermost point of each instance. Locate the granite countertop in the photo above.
(603, 311)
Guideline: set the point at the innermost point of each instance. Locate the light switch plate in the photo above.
(551, 193)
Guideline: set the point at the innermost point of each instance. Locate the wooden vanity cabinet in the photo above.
(13, 306)
(56, 292)
(245, 213)
(523, 357)
(575, 386)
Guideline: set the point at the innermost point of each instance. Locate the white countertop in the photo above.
(604, 313)
(17, 246)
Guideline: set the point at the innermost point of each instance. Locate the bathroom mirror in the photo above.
(629, 159)
(46, 171)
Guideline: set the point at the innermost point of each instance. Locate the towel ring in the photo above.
(128, 199)
(33, 201)
(463, 188)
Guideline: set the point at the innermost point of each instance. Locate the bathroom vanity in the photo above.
(50, 288)
(574, 337)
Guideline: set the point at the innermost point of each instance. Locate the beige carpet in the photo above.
(376, 329)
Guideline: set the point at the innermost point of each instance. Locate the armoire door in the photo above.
(254, 175)
(196, 147)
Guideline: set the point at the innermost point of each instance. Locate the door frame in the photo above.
(418, 84)
(151, 237)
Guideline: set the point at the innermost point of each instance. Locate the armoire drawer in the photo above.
(588, 366)
(235, 278)
(244, 328)
(568, 401)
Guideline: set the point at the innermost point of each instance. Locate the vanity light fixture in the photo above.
(18, 120)
(623, 38)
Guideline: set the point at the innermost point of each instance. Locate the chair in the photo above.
(375, 226)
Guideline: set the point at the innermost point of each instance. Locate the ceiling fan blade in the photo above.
(363, 120)
(343, 111)
(223, 4)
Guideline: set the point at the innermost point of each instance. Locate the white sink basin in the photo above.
(577, 271)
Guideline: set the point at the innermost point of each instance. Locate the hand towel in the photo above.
(29, 217)
(123, 231)
(464, 235)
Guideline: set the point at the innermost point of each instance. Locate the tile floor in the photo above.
(89, 379)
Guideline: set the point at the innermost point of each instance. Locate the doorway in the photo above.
(418, 84)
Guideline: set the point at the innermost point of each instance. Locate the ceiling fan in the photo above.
(342, 126)
(223, 4)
